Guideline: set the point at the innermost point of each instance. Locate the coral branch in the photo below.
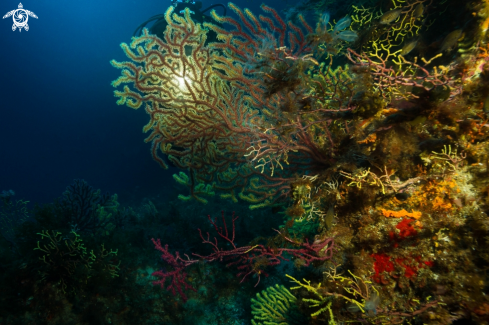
(177, 275)
(248, 259)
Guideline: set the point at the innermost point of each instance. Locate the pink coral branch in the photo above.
(177, 275)
(248, 259)
(386, 77)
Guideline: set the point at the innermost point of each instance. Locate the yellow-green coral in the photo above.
(275, 306)
(383, 41)
(359, 293)
(198, 190)
(314, 290)
(68, 265)
(65, 259)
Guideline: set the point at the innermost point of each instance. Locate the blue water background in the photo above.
(58, 116)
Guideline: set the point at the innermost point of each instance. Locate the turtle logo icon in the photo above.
(20, 17)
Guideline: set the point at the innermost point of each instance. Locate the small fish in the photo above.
(342, 24)
(451, 40)
(329, 217)
(406, 49)
(485, 107)
(390, 16)
(418, 11)
(348, 35)
(353, 308)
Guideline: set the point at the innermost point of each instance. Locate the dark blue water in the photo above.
(58, 117)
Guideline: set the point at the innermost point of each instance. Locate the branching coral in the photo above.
(275, 305)
(386, 154)
(360, 293)
(386, 34)
(66, 261)
(68, 265)
(87, 209)
(204, 107)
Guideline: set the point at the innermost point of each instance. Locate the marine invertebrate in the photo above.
(385, 264)
(65, 260)
(68, 265)
(406, 229)
(390, 81)
(88, 209)
(177, 275)
(201, 118)
(402, 213)
(249, 260)
(382, 264)
(238, 112)
(362, 125)
(360, 293)
(275, 305)
(382, 32)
